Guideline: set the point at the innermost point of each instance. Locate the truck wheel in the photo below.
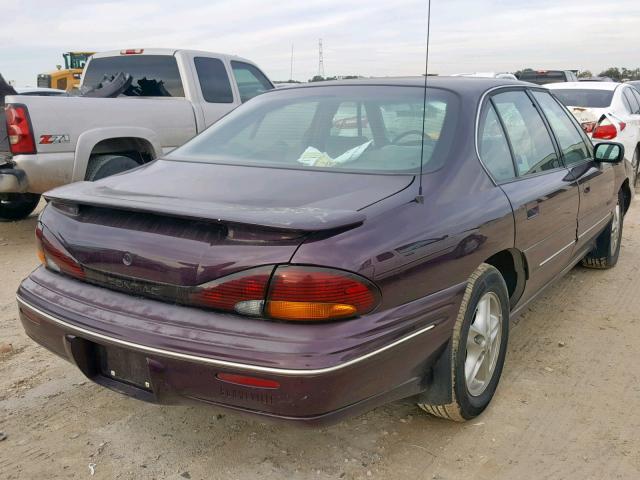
(16, 206)
(607, 250)
(102, 166)
(478, 346)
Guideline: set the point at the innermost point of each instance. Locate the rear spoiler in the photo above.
(281, 218)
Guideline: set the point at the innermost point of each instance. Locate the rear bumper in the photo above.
(317, 387)
(37, 173)
(12, 180)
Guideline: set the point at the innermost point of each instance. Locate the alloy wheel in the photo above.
(615, 229)
(483, 344)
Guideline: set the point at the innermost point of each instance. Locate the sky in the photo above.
(364, 37)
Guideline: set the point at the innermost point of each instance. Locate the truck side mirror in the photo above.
(609, 152)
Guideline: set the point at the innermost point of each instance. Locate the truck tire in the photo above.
(16, 206)
(102, 166)
(478, 346)
(607, 250)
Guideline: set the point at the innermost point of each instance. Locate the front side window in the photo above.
(250, 80)
(214, 81)
(152, 75)
(574, 149)
(532, 146)
(493, 146)
(342, 128)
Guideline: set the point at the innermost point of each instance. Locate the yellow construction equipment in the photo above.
(66, 78)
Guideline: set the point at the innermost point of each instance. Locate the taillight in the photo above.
(21, 139)
(53, 256)
(132, 51)
(243, 292)
(607, 130)
(299, 293)
(588, 127)
(291, 292)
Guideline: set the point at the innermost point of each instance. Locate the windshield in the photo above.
(152, 75)
(584, 97)
(343, 128)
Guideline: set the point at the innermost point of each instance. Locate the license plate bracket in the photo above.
(122, 365)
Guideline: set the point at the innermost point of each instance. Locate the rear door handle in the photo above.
(586, 189)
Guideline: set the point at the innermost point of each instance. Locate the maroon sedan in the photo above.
(321, 251)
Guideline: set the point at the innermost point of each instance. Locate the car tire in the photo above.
(102, 166)
(635, 163)
(16, 206)
(471, 393)
(607, 249)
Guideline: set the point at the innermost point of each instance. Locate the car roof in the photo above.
(463, 85)
(167, 52)
(584, 85)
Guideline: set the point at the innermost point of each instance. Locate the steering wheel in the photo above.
(397, 139)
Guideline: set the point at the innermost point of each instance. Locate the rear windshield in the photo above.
(542, 78)
(153, 75)
(584, 97)
(341, 128)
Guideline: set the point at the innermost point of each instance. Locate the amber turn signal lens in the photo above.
(309, 310)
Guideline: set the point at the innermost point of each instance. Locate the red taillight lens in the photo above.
(132, 51)
(248, 381)
(588, 127)
(605, 132)
(21, 139)
(300, 293)
(53, 256)
(243, 292)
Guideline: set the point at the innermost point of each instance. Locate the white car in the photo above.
(504, 75)
(606, 111)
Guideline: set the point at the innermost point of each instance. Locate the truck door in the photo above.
(217, 97)
(543, 194)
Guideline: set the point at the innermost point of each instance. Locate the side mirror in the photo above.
(609, 152)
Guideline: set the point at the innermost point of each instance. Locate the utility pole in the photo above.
(291, 70)
(320, 59)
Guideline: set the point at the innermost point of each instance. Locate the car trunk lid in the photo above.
(183, 223)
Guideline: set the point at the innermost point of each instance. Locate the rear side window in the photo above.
(633, 103)
(582, 97)
(635, 94)
(532, 146)
(493, 146)
(251, 81)
(152, 75)
(574, 150)
(214, 81)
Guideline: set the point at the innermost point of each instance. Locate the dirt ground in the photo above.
(566, 407)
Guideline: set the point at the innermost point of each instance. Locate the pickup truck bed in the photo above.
(172, 95)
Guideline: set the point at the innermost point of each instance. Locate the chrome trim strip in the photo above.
(558, 253)
(607, 216)
(220, 363)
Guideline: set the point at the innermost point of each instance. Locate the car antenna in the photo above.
(420, 197)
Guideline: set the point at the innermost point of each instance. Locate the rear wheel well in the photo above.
(511, 265)
(626, 194)
(138, 149)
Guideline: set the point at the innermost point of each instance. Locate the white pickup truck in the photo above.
(171, 96)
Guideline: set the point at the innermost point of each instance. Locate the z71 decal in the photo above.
(51, 139)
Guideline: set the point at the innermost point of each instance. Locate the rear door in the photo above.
(543, 194)
(216, 94)
(632, 135)
(596, 180)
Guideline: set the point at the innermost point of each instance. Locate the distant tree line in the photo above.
(318, 78)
